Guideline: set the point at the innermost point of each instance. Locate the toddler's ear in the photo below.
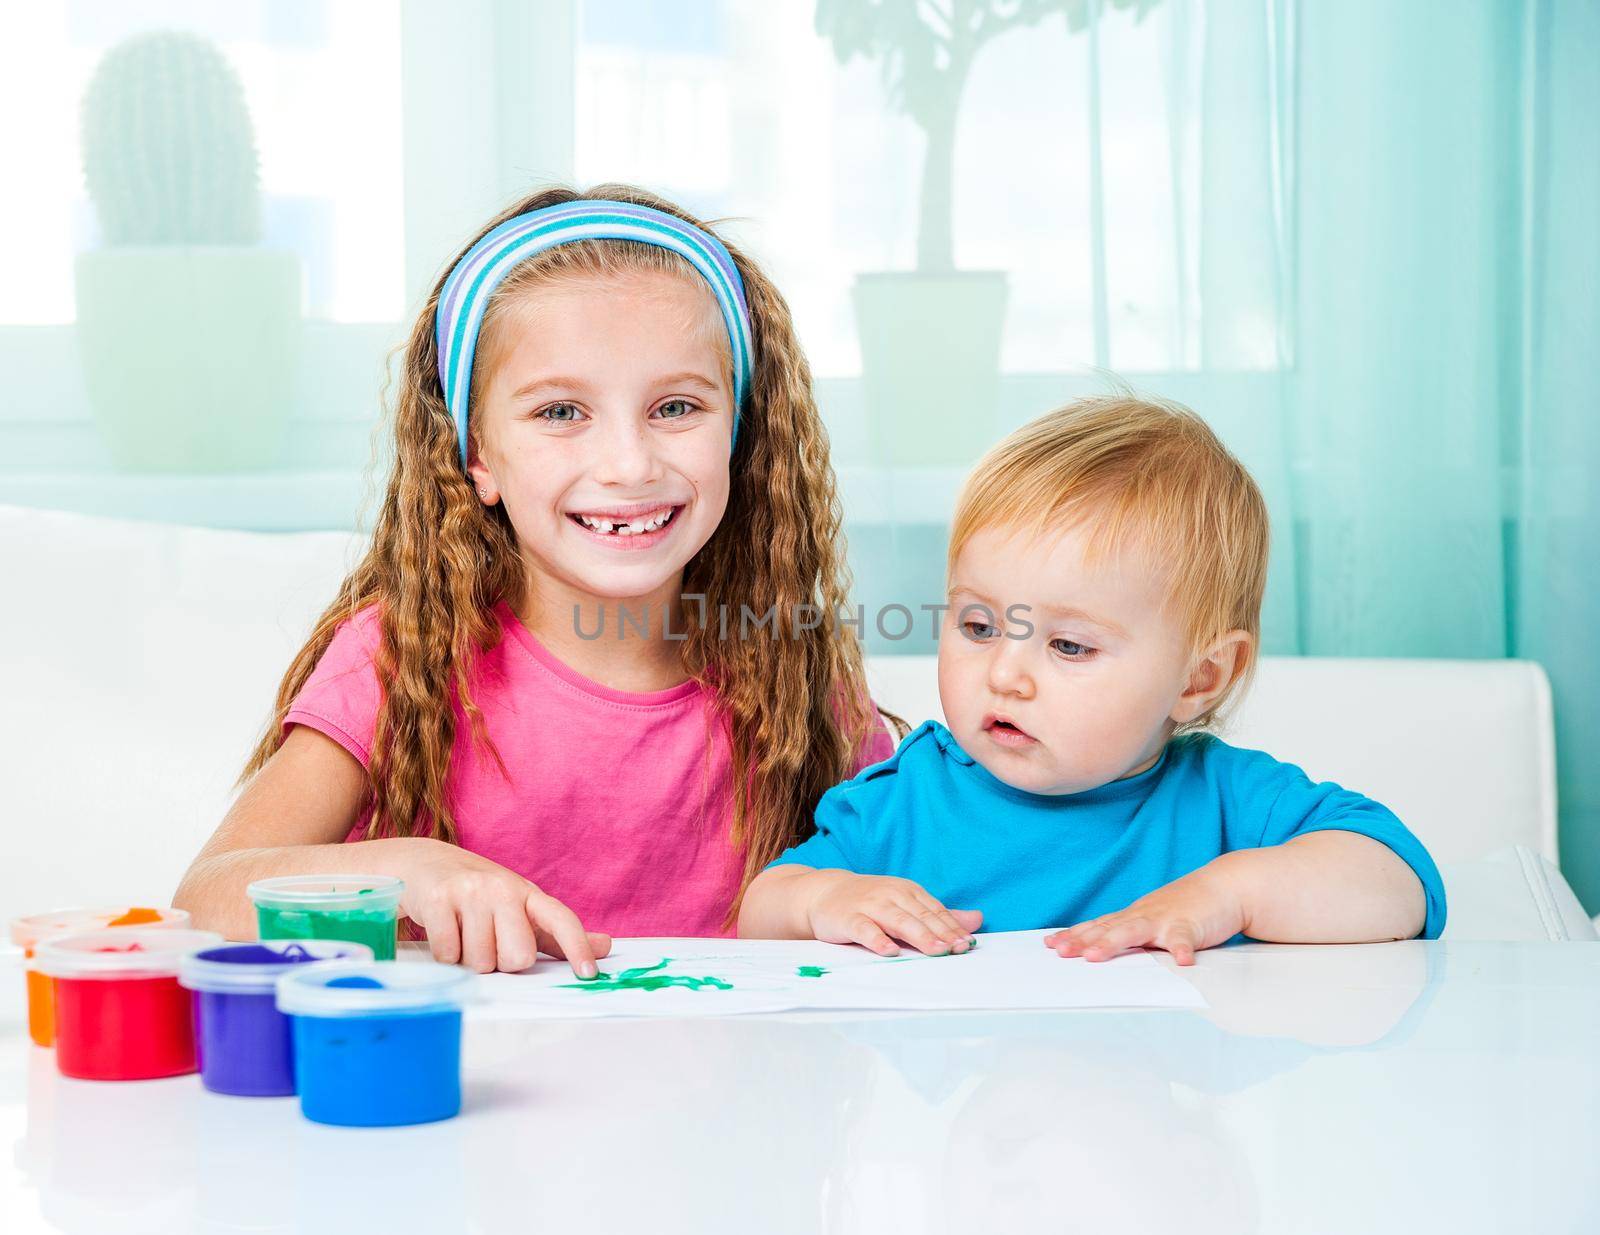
(1212, 671)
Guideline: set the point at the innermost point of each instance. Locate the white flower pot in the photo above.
(189, 354)
(930, 363)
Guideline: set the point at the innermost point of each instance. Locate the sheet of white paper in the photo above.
(725, 977)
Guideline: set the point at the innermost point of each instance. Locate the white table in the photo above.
(1405, 1087)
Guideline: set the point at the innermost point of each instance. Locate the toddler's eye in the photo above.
(675, 409)
(559, 413)
(1071, 650)
(979, 632)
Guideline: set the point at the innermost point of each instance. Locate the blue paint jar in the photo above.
(242, 1039)
(376, 1044)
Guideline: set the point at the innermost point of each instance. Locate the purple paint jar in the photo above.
(242, 1039)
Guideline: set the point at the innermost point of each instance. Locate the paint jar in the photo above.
(376, 1045)
(120, 1013)
(354, 908)
(28, 933)
(242, 1039)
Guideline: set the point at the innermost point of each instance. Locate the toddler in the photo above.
(1106, 570)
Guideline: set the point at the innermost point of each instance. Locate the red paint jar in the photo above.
(120, 1013)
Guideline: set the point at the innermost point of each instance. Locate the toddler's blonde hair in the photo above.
(1145, 476)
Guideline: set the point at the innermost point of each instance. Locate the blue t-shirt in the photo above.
(933, 814)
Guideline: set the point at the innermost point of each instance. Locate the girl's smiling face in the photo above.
(605, 427)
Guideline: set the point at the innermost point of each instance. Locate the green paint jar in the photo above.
(354, 908)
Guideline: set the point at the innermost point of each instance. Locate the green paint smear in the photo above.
(811, 971)
(924, 956)
(647, 978)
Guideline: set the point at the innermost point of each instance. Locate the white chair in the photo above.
(1400, 731)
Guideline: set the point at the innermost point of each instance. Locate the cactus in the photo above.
(168, 148)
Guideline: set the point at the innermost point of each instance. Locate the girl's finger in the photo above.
(477, 939)
(599, 943)
(444, 936)
(863, 930)
(970, 919)
(566, 936)
(514, 943)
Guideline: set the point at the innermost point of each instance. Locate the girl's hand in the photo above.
(875, 910)
(1198, 911)
(486, 917)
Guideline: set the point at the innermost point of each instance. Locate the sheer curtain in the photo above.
(1419, 188)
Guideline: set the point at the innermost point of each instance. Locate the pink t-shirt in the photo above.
(618, 803)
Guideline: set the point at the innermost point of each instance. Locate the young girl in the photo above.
(522, 702)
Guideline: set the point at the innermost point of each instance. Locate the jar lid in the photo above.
(253, 968)
(28, 932)
(327, 891)
(120, 952)
(372, 988)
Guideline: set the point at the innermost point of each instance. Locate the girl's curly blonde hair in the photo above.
(795, 704)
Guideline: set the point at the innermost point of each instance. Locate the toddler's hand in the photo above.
(486, 917)
(1198, 911)
(875, 910)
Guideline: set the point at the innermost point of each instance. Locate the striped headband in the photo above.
(466, 292)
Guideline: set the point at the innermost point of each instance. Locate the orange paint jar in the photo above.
(28, 933)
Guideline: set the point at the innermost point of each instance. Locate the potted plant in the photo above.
(930, 338)
(189, 330)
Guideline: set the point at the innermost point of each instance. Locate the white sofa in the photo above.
(141, 660)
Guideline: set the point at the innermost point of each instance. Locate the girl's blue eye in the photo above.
(559, 413)
(675, 409)
(979, 632)
(1071, 650)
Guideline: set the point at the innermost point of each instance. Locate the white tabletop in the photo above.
(1403, 1087)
